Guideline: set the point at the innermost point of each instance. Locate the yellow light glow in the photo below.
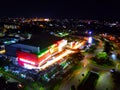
(2, 51)
(78, 45)
(44, 60)
(56, 59)
(66, 52)
(47, 19)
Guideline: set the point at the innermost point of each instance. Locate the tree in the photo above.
(107, 47)
(102, 55)
(76, 58)
(73, 87)
(101, 58)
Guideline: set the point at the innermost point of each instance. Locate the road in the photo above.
(77, 76)
(74, 79)
(104, 82)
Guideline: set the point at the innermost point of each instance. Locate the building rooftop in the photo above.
(42, 40)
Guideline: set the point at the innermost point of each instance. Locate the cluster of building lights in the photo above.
(56, 59)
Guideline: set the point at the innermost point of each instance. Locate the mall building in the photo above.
(36, 51)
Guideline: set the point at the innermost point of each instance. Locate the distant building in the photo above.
(11, 26)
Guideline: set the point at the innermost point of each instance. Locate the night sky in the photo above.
(92, 9)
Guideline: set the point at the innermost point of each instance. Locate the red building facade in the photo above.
(31, 60)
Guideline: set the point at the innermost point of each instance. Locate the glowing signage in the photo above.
(43, 53)
(27, 61)
(90, 40)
